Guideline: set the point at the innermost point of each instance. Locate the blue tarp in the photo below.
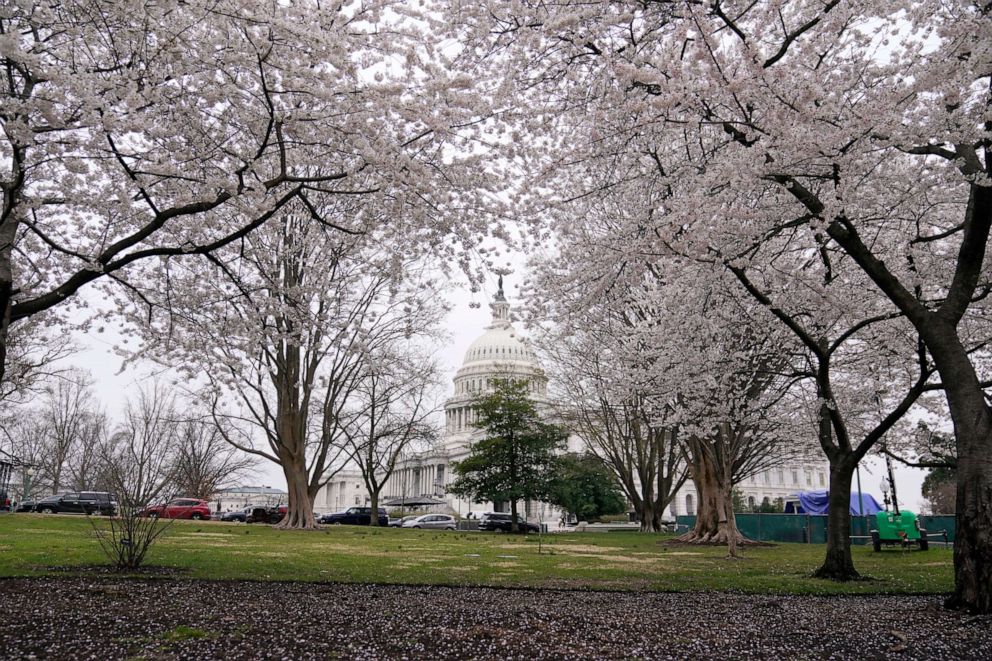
(815, 502)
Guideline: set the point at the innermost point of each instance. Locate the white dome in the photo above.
(499, 344)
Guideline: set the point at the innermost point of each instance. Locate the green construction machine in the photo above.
(897, 527)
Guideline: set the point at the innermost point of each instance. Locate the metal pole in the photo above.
(861, 501)
(892, 485)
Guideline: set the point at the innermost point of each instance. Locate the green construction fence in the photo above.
(812, 529)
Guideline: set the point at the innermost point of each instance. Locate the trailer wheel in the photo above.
(876, 543)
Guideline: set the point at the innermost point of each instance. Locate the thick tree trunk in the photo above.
(656, 523)
(838, 564)
(513, 517)
(973, 433)
(299, 515)
(973, 537)
(715, 522)
(646, 513)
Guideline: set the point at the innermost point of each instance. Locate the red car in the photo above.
(179, 508)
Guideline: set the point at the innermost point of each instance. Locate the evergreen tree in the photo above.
(584, 487)
(517, 457)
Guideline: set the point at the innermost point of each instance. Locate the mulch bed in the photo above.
(98, 617)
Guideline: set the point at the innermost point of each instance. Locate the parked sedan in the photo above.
(398, 523)
(179, 508)
(434, 521)
(26, 506)
(237, 515)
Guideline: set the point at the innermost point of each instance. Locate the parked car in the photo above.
(78, 502)
(501, 521)
(398, 523)
(179, 508)
(355, 516)
(237, 515)
(433, 521)
(266, 514)
(26, 506)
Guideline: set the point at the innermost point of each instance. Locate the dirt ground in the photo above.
(165, 618)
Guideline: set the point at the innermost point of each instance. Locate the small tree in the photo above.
(585, 487)
(138, 464)
(395, 402)
(517, 457)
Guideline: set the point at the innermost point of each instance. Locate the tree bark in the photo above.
(374, 501)
(973, 433)
(513, 516)
(299, 514)
(838, 564)
(715, 522)
(648, 516)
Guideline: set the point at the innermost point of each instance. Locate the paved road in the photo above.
(109, 618)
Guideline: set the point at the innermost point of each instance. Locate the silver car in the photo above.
(434, 521)
(398, 523)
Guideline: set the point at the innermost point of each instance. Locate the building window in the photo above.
(809, 478)
(821, 478)
(690, 507)
(795, 477)
(768, 477)
(750, 503)
(781, 477)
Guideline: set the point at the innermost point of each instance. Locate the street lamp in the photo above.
(884, 486)
(28, 474)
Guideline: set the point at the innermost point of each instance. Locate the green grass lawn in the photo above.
(37, 545)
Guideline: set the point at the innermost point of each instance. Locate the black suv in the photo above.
(271, 514)
(78, 502)
(501, 521)
(356, 516)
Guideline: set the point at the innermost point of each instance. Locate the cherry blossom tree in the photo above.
(136, 132)
(618, 419)
(36, 358)
(861, 128)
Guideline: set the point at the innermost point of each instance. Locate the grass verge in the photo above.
(40, 545)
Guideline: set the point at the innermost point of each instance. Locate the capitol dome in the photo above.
(499, 353)
(499, 343)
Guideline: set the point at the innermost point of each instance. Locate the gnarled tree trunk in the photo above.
(715, 522)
